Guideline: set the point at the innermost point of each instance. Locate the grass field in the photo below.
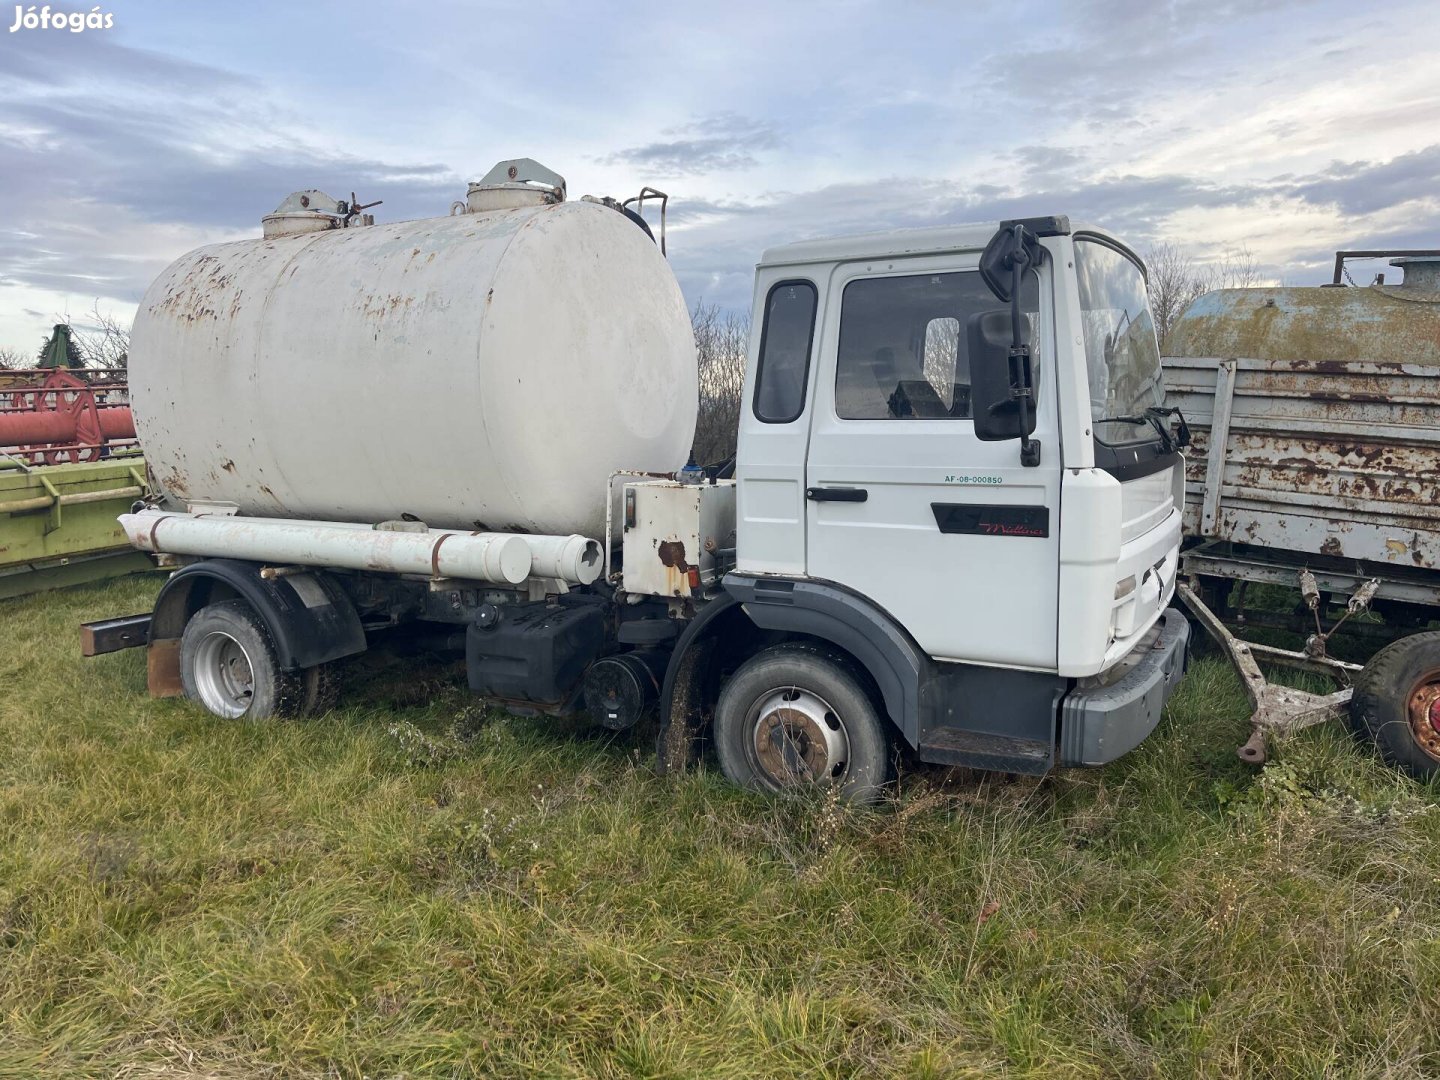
(409, 887)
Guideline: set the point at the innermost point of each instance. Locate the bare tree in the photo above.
(722, 339)
(10, 359)
(104, 341)
(1237, 270)
(1177, 280)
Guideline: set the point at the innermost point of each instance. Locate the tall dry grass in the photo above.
(411, 887)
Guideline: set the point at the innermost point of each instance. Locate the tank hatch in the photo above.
(314, 211)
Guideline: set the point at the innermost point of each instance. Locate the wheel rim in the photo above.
(223, 675)
(1424, 711)
(796, 737)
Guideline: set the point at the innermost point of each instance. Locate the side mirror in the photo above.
(1001, 381)
(998, 260)
(1018, 237)
(1002, 267)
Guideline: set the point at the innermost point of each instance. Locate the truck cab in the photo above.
(1007, 596)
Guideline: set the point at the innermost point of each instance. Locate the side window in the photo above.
(785, 342)
(903, 347)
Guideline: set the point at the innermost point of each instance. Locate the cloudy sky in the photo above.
(1285, 128)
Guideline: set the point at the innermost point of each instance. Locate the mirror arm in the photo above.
(1022, 389)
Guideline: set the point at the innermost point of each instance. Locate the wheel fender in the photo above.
(812, 608)
(848, 620)
(308, 615)
(689, 661)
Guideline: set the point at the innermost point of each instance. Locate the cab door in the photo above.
(952, 536)
(775, 423)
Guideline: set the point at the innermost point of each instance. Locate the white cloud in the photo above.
(1285, 128)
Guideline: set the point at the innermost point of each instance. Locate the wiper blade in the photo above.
(1155, 418)
(1181, 438)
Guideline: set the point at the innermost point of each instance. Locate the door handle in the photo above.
(837, 494)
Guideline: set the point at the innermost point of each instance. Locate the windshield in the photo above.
(1121, 352)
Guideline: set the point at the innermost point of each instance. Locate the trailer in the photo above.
(1315, 415)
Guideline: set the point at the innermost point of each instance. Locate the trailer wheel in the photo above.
(1396, 703)
(793, 715)
(228, 665)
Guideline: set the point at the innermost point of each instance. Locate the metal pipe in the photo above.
(1376, 253)
(113, 452)
(19, 506)
(78, 498)
(500, 558)
(29, 427)
(575, 559)
(571, 558)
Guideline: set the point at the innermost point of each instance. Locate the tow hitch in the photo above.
(1282, 710)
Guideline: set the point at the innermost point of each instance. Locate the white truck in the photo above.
(952, 524)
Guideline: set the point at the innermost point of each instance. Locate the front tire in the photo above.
(228, 665)
(1396, 703)
(794, 715)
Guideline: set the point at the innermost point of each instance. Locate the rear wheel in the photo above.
(1396, 703)
(320, 689)
(229, 665)
(795, 715)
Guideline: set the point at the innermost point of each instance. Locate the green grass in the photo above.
(409, 887)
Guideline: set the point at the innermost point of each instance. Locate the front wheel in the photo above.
(794, 715)
(1396, 703)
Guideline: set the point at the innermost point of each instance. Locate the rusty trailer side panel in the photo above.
(1326, 457)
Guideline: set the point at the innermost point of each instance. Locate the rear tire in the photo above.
(1396, 703)
(320, 689)
(795, 714)
(229, 666)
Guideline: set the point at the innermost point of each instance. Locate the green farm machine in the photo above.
(69, 464)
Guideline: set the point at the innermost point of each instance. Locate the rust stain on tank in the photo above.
(175, 484)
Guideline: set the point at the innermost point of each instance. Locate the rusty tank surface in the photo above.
(1316, 418)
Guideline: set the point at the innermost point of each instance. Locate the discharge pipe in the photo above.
(576, 559)
(499, 558)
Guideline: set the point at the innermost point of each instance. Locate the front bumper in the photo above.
(1100, 724)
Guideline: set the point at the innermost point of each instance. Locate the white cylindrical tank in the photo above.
(485, 371)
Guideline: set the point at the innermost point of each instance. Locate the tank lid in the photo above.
(312, 210)
(1421, 272)
(515, 183)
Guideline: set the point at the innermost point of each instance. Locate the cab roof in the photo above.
(897, 243)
